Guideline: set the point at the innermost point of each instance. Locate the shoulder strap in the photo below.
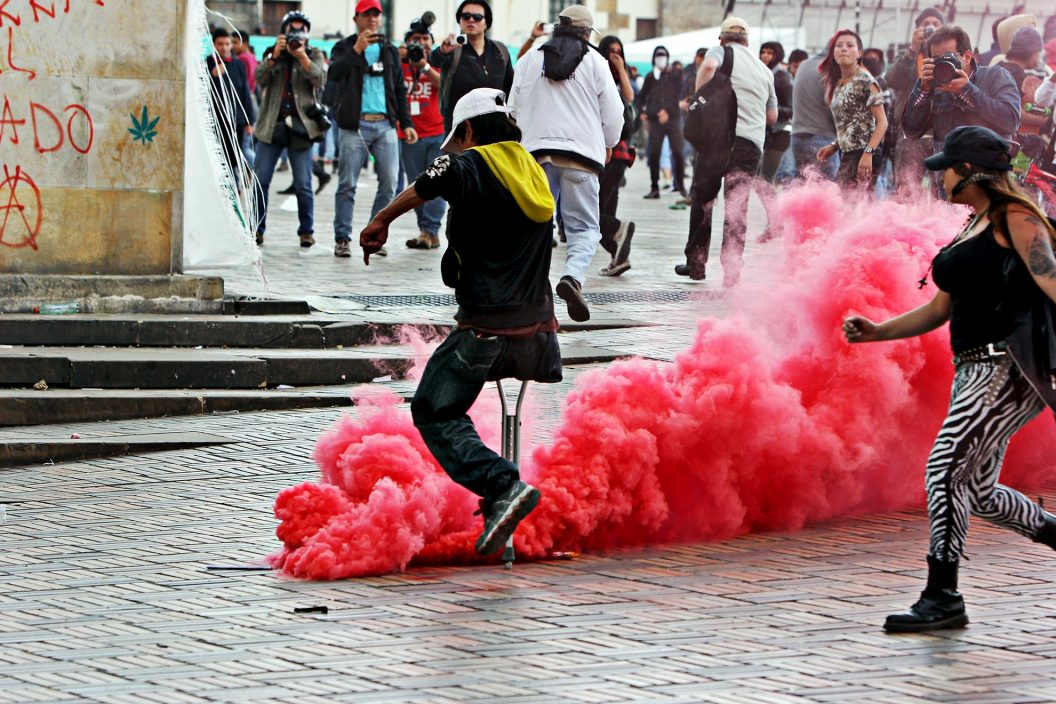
(727, 61)
(445, 89)
(504, 53)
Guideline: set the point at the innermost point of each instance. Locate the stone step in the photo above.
(177, 368)
(40, 448)
(196, 331)
(26, 408)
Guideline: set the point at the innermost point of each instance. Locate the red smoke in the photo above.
(769, 420)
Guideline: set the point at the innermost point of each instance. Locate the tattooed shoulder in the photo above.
(1040, 256)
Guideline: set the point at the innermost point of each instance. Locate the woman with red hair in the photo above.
(857, 109)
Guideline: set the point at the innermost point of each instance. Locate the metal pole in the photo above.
(857, 17)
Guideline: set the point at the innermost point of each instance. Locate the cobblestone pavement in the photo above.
(105, 593)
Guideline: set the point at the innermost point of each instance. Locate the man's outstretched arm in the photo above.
(376, 233)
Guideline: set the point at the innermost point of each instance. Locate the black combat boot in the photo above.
(1047, 534)
(940, 605)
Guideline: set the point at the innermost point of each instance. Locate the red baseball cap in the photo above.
(365, 5)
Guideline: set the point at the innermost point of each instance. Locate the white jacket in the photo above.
(582, 115)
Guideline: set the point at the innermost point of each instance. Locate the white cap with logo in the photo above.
(481, 101)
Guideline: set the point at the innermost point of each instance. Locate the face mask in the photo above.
(660, 62)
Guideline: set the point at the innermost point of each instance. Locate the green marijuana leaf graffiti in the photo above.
(142, 129)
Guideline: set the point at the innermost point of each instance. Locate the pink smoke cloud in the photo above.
(768, 421)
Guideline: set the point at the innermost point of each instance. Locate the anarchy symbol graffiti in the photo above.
(21, 215)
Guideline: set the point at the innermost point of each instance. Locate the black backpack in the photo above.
(712, 117)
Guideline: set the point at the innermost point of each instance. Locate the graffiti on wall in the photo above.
(51, 127)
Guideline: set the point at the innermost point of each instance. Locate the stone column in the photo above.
(91, 144)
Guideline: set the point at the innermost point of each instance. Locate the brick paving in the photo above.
(105, 595)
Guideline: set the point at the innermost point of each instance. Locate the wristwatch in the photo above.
(869, 150)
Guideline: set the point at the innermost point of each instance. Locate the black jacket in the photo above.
(990, 99)
(239, 104)
(347, 69)
(663, 94)
(492, 69)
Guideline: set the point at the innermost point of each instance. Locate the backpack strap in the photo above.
(504, 53)
(449, 73)
(727, 61)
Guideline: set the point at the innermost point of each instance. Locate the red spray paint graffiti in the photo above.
(22, 195)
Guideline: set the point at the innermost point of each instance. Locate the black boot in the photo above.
(1047, 534)
(940, 605)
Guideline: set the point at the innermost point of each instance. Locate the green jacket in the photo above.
(271, 77)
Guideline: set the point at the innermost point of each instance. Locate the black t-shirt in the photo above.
(498, 260)
(985, 305)
(488, 70)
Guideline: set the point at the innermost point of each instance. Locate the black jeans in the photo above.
(453, 378)
(673, 131)
(708, 176)
(609, 199)
(847, 174)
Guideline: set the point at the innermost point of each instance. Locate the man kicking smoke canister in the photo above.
(497, 260)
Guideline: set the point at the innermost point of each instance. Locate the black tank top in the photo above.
(985, 306)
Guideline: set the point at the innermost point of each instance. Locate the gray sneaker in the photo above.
(622, 239)
(342, 249)
(503, 515)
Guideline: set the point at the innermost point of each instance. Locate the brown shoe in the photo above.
(307, 240)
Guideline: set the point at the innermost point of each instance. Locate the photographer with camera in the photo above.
(423, 96)
(900, 78)
(289, 76)
(470, 60)
(371, 100)
(953, 90)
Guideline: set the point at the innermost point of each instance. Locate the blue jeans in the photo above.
(805, 151)
(267, 157)
(453, 378)
(377, 138)
(247, 148)
(416, 159)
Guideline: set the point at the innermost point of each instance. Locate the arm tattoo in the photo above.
(1040, 256)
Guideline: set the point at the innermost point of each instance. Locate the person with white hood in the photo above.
(571, 116)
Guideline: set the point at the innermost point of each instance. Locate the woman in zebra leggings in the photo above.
(991, 397)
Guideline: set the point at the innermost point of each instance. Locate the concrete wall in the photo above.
(87, 186)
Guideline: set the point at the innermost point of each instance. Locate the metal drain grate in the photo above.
(443, 299)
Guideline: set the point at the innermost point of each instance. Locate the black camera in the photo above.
(946, 68)
(415, 52)
(296, 39)
(319, 115)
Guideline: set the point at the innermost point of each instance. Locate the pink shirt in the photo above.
(251, 62)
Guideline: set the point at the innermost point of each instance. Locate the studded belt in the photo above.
(996, 354)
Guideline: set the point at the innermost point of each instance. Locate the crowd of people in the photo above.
(856, 115)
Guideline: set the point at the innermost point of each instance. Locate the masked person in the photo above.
(498, 262)
(990, 276)
(289, 76)
(571, 116)
(658, 107)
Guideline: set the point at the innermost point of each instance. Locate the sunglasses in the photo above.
(371, 13)
(472, 17)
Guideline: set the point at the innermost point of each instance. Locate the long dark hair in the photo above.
(829, 69)
(1002, 192)
(605, 46)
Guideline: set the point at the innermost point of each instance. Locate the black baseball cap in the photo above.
(978, 146)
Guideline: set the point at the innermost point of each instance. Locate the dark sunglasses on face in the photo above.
(372, 13)
(474, 16)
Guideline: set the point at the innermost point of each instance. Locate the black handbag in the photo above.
(712, 119)
(1033, 343)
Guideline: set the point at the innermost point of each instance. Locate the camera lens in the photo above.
(461, 39)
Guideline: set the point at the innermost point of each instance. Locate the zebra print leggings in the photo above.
(988, 404)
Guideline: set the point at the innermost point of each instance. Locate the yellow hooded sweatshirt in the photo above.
(521, 175)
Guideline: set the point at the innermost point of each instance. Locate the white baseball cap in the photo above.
(481, 101)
